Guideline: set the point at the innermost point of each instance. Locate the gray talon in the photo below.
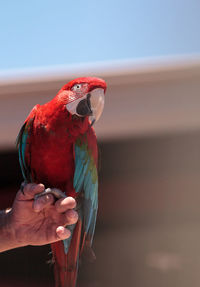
(57, 193)
(23, 184)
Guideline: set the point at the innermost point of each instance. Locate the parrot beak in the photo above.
(91, 105)
(97, 104)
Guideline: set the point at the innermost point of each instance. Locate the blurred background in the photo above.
(148, 227)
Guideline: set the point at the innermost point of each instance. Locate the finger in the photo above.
(69, 217)
(43, 202)
(29, 191)
(62, 233)
(63, 204)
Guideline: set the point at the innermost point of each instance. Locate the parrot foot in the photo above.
(23, 184)
(57, 193)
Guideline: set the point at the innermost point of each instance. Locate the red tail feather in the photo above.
(66, 265)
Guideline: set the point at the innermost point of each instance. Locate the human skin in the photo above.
(36, 221)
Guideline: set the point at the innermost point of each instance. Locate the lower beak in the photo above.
(84, 107)
(92, 121)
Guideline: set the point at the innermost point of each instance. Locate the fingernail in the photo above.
(72, 214)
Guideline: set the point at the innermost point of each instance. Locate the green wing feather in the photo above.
(22, 143)
(86, 183)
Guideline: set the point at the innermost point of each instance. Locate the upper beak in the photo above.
(97, 104)
(92, 105)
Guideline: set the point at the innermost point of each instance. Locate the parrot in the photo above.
(57, 146)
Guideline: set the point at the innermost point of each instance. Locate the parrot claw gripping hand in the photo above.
(57, 147)
(57, 193)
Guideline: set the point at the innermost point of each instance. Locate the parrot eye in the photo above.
(76, 87)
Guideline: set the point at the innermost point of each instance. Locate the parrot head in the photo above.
(84, 97)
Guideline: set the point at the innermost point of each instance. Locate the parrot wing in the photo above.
(86, 181)
(23, 144)
(86, 184)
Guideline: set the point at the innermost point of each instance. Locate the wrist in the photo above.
(7, 231)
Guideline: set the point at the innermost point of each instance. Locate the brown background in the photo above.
(148, 228)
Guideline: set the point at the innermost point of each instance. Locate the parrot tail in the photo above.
(66, 265)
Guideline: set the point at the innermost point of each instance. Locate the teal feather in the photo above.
(22, 143)
(86, 180)
(92, 225)
(78, 172)
(80, 182)
(68, 240)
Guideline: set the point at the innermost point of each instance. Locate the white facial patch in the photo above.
(71, 107)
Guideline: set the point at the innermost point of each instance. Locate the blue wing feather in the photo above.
(85, 179)
(68, 240)
(21, 141)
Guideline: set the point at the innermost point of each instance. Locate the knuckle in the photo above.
(27, 187)
(31, 188)
(19, 194)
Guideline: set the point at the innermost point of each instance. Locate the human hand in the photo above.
(40, 221)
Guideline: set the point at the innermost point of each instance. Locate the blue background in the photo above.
(42, 33)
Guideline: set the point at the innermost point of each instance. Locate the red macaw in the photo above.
(57, 147)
